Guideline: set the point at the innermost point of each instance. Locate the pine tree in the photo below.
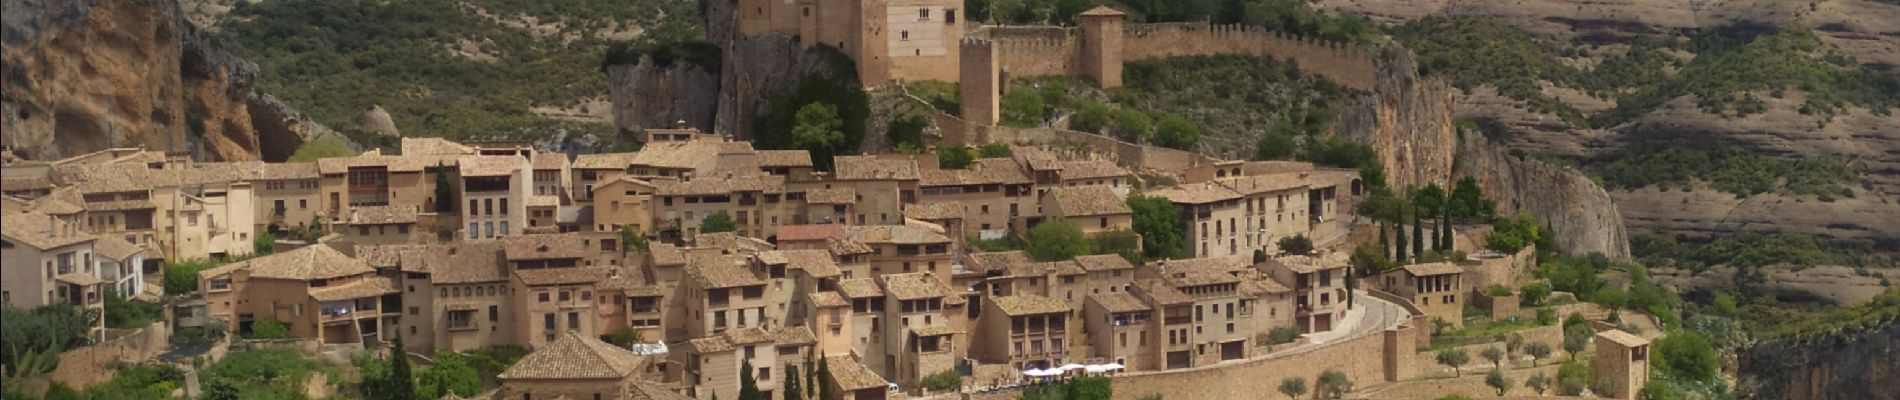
(1385, 245)
(444, 193)
(1398, 230)
(1444, 228)
(811, 375)
(748, 387)
(824, 382)
(401, 384)
(1418, 234)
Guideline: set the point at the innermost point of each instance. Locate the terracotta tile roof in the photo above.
(1088, 200)
(666, 254)
(287, 171)
(981, 172)
(799, 233)
(1437, 268)
(936, 330)
(858, 288)
(368, 287)
(721, 272)
(748, 336)
(1103, 262)
(731, 241)
(458, 263)
(575, 356)
(90, 179)
(120, 205)
(1090, 169)
(25, 183)
(561, 276)
(81, 279)
(630, 282)
(542, 247)
(115, 248)
(380, 215)
(1120, 302)
(62, 201)
(1161, 293)
(828, 299)
(547, 161)
(545, 200)
(1622, 338)
(848, 374)
(305, 263)
(618, 161)
(818, 263)
(845, 247)
(1102, 11)
(999, 261)
(694, 154)
(867, 168)
(1204, 271)
(1197, 193)
(842, 195)
(653, 391)
(1306, 264)
(1035, 158)
(1039, 269)
(895, 234)
(1260, 286)
(433, 146)
(715, 185)
(784, 158)
(340, 165)
(384, 255)
(1029, 304)
(490, 165)
(1258, 184)
(913, 286)
(935, 211)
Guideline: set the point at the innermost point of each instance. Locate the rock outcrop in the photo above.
(1838, 365)
(1407, 120)
(375, 120)
(1581, 215)
(744, 82)
(280, 129)
(85, 75)
(646, 96)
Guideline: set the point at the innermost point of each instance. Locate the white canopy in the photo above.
(1042, 372)
(1071, 367)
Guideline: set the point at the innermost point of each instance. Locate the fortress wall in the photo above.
(1363, 359)
(1042, 54)
(1348, 65)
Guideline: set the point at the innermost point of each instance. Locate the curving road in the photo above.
(1369, 315)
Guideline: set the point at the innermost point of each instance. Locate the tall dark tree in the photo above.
(1444, 229)
(401, 384)
(1418, 234)
(1398, 229)
(444, 192)
(824, 382)
(792, 379)
(811, 375)
(748, 387)
(1385, 244)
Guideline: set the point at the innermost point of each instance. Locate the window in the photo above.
(1104, 222)
(950, 16)
(504, 206)
(906, 35)
(923, 14)
(544, 297)
(472, 206)
(474, 230)
(462, 319)
(765, 373)
(504, 228)
(488, 229)
(494, 313)
(573, 320)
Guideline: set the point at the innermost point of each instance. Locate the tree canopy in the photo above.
(1058, 240)
(1160, 227)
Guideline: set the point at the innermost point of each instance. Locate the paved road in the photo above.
(1368, 315)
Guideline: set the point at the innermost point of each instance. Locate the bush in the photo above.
(1497, 291)
(1533, 294)
(1283, 335)
(906, 130)
(268, 328)
(1022, 108)
(717, 222)
(954, 157)
(1133, 126)
(1688, 355)
(32, 339)
(1058, 240)
(1573, 377)
(1090, 116)
(1511, 234)
(181, 278)
(123, 313)
(258, 374)
(1120, 242)
(1176, 132)
(943, 381)
(326, 146)
(1296, 244)
(1275, 146)
(993, 150)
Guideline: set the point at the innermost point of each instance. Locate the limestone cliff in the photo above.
(84, 75)
(745, 81)
(1407, 119)
(1582, 217)
(645, 96)
(1842, 365)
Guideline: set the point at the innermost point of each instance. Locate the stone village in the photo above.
(718, 257)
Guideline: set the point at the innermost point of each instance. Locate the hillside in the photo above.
(465, 69)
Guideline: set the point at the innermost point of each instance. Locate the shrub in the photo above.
(1022, 108)
(1533, 294)
(1176, 132)
(993, 150)
(906, 130)
(1296, 244)
(954, 157)
(326, 146)
(1133, 126)
(717, 222)
(1058, 240)
(943, 381)
(1283, 335)
(1120, 242)
(1090, 116)
(268, 328)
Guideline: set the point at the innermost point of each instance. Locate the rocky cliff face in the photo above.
(744, 81)
(1850, 365)
(645, 96)
(85, 75)
(1583, 218)
(1408, 120)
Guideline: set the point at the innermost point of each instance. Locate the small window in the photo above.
(950, 16)
(923, 14)
(905, 35)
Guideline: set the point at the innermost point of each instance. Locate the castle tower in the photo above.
(979, 82)
(1102, 45)
(1622, 364)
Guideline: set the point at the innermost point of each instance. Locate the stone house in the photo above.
(288, 196)
(1023, 331)
(624, 202)
(1213, 213)
(720, 293)
(495, 188)
(712, 363)
(888, 39)
(883, 186)
(1093, 208)
(553, 292)
(1319, 288)
(578, 366)
(315, 291)
(1118, 326)
(994, 193)
(49, 261)
(1436, 288)
(381, 225)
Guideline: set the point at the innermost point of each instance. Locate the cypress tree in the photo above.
(1385, 245)
(1398, 230)
(401, 384)
(824, 382)
(1418, 234)
(811, 375)
(444, 193)
(748, 387)
(791, 383)
(1444, 227)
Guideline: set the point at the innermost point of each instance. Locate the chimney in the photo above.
(679, 124)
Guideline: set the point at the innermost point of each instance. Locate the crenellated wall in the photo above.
(1350, 66)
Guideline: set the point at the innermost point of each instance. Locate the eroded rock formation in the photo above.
(646, 96)
(1581, 215)
(1838, 365)
(1407, 120)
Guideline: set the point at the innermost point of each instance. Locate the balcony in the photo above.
(1181, 320)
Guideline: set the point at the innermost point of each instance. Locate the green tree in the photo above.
(1398, 231)
(1058, 240)
(811, 376)
(1296, 244)
(748, 386)
(1418, 233)
(717, 222)
(1573, 378)
(907, 130)
(326, 146)
(1133, 126)
(401, 381)
(1091, 116)
(444, 192)
(1176, 132)
(1533, 294)
(1689, 355)
(954, 157)
(1120, 242)
(1494, 355)
(1538, 383)
(1537, 351)
(993, 150)
(818, 127)
(1274, 146)
(1508, 235)
(1333, 384)
(825, 391)
(631, 240)
(792, 377)
(1467, 201)
(264, 244)
(943, 381)
(1293, 387)
(450, 373)
(1022, 108)
(1497, 381)
(1576, 338)
(1160, 227)
(1453, 358)
(269, 328)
